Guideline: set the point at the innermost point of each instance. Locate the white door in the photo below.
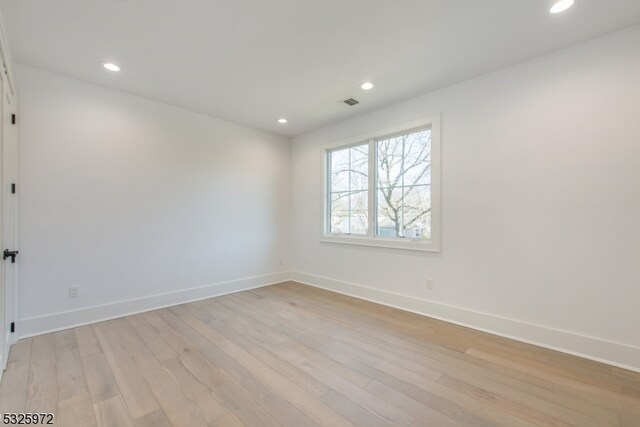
(8, 217)
(4, 345)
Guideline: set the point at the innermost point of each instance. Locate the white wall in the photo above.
(128, 199)
(541, 196)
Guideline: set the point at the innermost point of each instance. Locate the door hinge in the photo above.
(10, 254)
(13, 119)
(13, 188)
(13, 327)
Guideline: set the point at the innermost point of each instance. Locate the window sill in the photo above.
(383, 242)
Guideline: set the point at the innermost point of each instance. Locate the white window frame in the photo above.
(371, 239)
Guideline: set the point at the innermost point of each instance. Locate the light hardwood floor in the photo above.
(297, 356)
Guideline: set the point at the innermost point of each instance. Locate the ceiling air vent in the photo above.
(351, 102)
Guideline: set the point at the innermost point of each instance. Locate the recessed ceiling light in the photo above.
(366, 86)
(111, 67)
(282, 121)
(561, 6)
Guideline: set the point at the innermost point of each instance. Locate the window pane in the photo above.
(359, 167)
(348, 192)
(417, 158)
(389, 162)
(404, 186)
(359, 212)
(389, 211)
(340, 170)
(339, 213)
(417, 212)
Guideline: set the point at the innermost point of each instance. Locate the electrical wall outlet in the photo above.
(429, 284)
(73, 291)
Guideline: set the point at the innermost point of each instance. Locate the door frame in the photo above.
(8, 220)
(10, 201)
(7, 86)
(4, 338)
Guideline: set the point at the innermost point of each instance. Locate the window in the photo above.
(349, 172)
(383, 189)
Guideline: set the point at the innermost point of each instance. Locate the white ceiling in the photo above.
(252, 61)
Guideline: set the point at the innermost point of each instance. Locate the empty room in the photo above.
(336, 213)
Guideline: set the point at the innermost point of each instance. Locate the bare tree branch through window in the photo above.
(402, 185)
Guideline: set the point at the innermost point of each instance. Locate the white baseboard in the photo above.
(612, 353)
(601, 350)
(84, 316)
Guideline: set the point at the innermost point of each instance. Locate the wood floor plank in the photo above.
(422, 414)
(71, 378)
(211, 409)
(629, 417)
(503, 404)
(13, 388)
(293, 355)
(64, 338)
(87, 341)
(156, 418)
(137, 396)
(42, 386)
(112, 413)
(179, 410)
(353, 412)
(203, 369)
(239, 401)
(20, 351)
(353, 391)
(336, 381)
(281, 333)
(558, 380)
(545, 405)
(297, 396)
(250, 342)
(441, 399)
(158, 346)
(210, 334)
(246, 409)
(505, 380)
(406, 368)
(448, 356)
(77, 411)
(280, 408)
(100, 380)
(229, 420)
